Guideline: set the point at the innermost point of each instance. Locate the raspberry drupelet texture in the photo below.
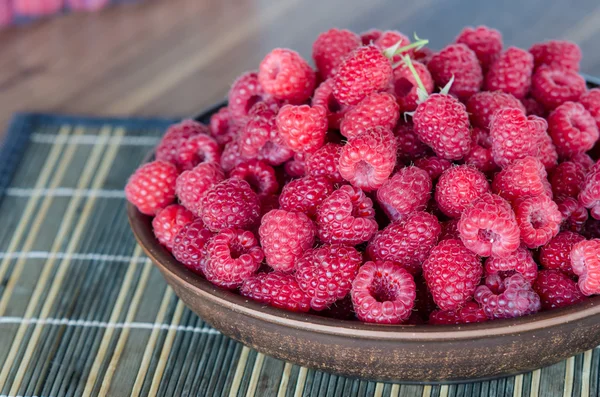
(584, 160)
(485, 42)
(276, 289)
(285, 75)
(152, 186)
(259, 175)
(325, 162)
(589, 196)
(585, 261)
(517, 299)
(295, 168)
(221, 128)
(458, 187)
(406, 243)
(525, 177)
(553, 87)
(539, 220)
(471, 312)
(488, 227)
(480, 154)
(244, 93)
(326, 273)
(557, 53)
(410, 147)
(274, 153)
(511, 73)
(323, 96)
(231, 156)
(521, 261)
(405, 85)
(574, 214)
(408, 190)
(573, 129)
(378, 109)
(346, 217)
(199, 148)
(260, 129)
(389, 38)
(459, 62)
(169, 221)
(175, 136)
(556, 290)
(383, 293)
(434, 166)
(230, 204)
(555, 255)
(566, 179)
(302, 128)
(192, 184)
(591, 102)
(482, 106)
(331, 47)
(305, 194)
(547, 152)
(452, 273)
(189, 245)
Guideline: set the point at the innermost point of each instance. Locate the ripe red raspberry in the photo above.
(260, 129)
(192, 184)
(482, 106)
(449, 230)
(460, 62)
(410, 147)
(274, 153)
(518, 299)
(470, 313)
(302, 128)
(555, 255)
(547, 151)
(346, 217)
(584, 160)
(230, 204)
(521, 261)
(589, 196)
(383, 293)
(331, 47)
(405, 85)
(326, 273)
(585, 261)
(305, 194)
(556, 290)
(407, 242)
(389, 38)
(244, 93)
(485, 42)
(434, 166)
(175, 136)
(573, 129)
(365, 71)
(591, 102)
(221, 127)
(525, 177)
(200, 148)
(285, 75)
(370, 36)
(189, 245)
(276, 289)
(452, 273)
(295, 168)
(458, 187)
(566, 179)
(480, 154)
(169, 221)
(539, 220)
(259, 175)
(408, 190)
(152, 187)
(488, 227)
(533, 107)
(323, 96)
(574, 214)
(557, 53)
(510, 73)
(378, 109)
(368, 159)
(325, 162)
(553, 87)
(442, 122)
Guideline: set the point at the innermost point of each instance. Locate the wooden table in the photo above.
(175, 57)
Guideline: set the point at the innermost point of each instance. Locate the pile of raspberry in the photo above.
(389, 183)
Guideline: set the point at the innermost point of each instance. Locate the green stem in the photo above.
(412, 69)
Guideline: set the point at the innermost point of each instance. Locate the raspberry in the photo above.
(480, 154)
(557, 53)
(521, 261)
(295, 168)
(553, 87)
(200, 148)
(482, 106)
(518, 299)
(260, 129)
(488, 227)
(230, 204)
(409, 146)
(259, 175)
(574, 214)
(585, 261)
(584, 160)
(244, 93)
(274, 153)
(324, 162)
(589, 196)
(523, 178)
(285, 75)
(389, 38)
(406, 243)
(547, 151)
(331, 47)
(573, 129)
(452, 273)
(378, 109)
(370, 36)
(514, 135)
(276, 289)
(383, 293)
(533, 107)
(539, 220)
(442, 123)
(470, 313)
(555, 255)
(302, 128)
(152, 187)
(510, 73)
(231, 156)
(346, 217)
(405, 85)
(192, 184)
(449, 230)
(325, 274)
(406, 191)
(556, 290)
(566, 179)
(365, 71)
(460, 62)
(220, 126)
(434, 166)
(368, 159)
(189, 245)
(175, 136)
(305, 194)
(458, 187)
(423, 55)
(485, 42)
(591, 102)
(169, 221)
(323, 96)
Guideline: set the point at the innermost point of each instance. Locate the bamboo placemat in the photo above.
(84, 312)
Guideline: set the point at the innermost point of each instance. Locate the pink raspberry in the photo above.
(518, 299)
(574, 214)
(434, 166)
(378, 109)
(589, 196)
(585, 261)
(556, 290)
(406, 243)
(200, 148)
(555, 255)
(221, 126)
(192, 184)
(553, 87)
(331, 47)
(482, 106)
(305, 194)
(533, 107)
(405, 85)
(302, 128)
(410, 147)
(469, 313)
(259, 175)
(459, 62)
(539, 220)
(389, 38)
(230, 204)
(231, 156)
(260, 129)
(325, 162)
(573, 129)
(383, 293)
(521, 261)
(485, 42)
(244, 93)
(274, 153)
(547, 151)
(152, 186)
(480, 154)
(346, 217)
(449, 230)
(566, 179)
(370, 36)
(458, 187)
(295, 168)
(189, 245)
(511, 73)
(452, 273)
(591, 102)
(276, 289)
(525, 177)
(169, 221)
(326, 273)
(584, 160)
(175, 136)
(488, 227)
(285, 75)
(557, 53)
(406, 191)
(323, 96)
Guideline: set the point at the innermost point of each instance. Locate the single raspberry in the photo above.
(410, 147)
(260, 129)
(553, 87)
(274, 153)
(231, 156)
(152, 186)
(452, 273)
(305, 194)
(407, 242)
(471, 312)
(521, 261)
(331, 47)
(175, 136)
(323, 96)
(276, 289)
(285, 75)
(230, 204)
(557, 53)
(408, 190)
(383, 293)
(378, 109)
(458, 187)
(539, 220)
(485, 42)
(325, 162)
(556, 290)
(221, 128)
(244, 93)
(346, 217)
(200, 148)
(295, 168)
(326, 273)
(589, 196)
(405, 85)
(259, 175)
(482, 106)
(192, 184)
(591, 102)
(573, 129)
(389, 38)
(574, 214)
(365, 71)
(442, 122)
(488, 227)
(547, 151)
(585, 261)
(511, 73)
(434, 166)
(189, 245)
(459, 62)
(533, 107)
(566, 179)
(302, 128)
(525, 177)
(518, 299)
(169, 221)
(370, 36)
(368, 159)
(555, 255)
(480, 154)
(449, 230)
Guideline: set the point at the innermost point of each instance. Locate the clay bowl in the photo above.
(406, 353)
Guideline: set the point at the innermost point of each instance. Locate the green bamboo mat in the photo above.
(83, 312)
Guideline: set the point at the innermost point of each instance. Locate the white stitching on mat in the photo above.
(75, 256)
(39, 137)
(65, 192)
